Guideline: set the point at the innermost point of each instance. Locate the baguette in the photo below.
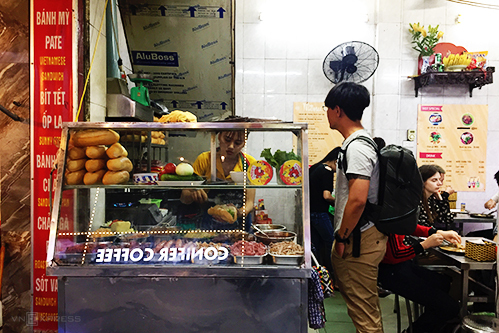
(96, 151)
(95, 165)
(75, 178)
(95, 137)
(115, 177)
(120, 163)
(116, 150)
(75, 165)
(92, 178)
(76, 153)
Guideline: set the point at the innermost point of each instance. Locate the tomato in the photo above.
(169, 168)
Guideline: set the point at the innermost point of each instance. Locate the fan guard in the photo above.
(351, 61)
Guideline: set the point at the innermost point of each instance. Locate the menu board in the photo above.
(455, 137)
(321, 138)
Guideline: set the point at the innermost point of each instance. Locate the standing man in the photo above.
(355, 258)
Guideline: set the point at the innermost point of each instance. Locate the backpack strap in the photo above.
(369, 208)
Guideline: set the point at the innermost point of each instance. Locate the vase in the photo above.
(424, 63)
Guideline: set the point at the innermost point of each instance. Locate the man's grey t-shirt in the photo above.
(362, 160)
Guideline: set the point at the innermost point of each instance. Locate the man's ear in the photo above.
(338, 111)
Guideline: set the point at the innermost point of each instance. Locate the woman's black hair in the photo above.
(496, 177)
(331, 156)
(379, 142)
(351, 97)
(427, 171)
(439, 168)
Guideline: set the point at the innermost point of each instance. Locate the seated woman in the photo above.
(229, 158)
(434, 210)
(401, 275)
(440, 202)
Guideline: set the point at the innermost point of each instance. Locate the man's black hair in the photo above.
(496, 177)
(351, 97)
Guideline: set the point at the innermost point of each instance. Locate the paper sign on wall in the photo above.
(321, 138)
(455, 137)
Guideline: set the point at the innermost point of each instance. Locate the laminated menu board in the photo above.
(321, 138)
(455, 137)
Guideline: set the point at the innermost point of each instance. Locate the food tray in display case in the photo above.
(112, 223)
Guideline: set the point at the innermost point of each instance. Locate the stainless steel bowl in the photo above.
(275, 236)
(249, 260)
(266, 227)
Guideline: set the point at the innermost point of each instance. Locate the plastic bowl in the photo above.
(275, 236)
(145, 178)
(237, 177)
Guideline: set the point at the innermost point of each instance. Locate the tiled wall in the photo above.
(279, 61)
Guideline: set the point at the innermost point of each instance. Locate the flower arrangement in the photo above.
(424, 42)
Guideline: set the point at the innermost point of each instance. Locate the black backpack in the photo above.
(400, 190)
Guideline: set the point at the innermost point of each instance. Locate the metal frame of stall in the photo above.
(179, 298)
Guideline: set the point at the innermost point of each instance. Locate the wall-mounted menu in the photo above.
(321, 138)
(455, 137)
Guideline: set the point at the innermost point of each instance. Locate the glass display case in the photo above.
(135, 221)
(126, 207)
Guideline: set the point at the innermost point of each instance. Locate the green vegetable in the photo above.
(279, 157)
(174, 177)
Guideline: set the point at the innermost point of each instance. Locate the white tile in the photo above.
(252, 10)
(408, 118)
(493, 119)
(296, 76)
(386, 112)
(389, 40)
(435, 15)
(275, 76)
(275, 106)
(297, 46)
(253, 105)
(239, 104)
(456, 90)
(253, 77)
(239, 41)
(388, 76)
(239, 11)
(275, 43)
(254, 41)
(290, 100)
(317, 81)
(391, 11)
(413, 12)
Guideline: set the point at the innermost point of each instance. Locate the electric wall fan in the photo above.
(351, 61)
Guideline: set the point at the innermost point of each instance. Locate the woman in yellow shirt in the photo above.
(229, 158)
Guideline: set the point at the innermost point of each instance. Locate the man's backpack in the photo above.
(400, 190)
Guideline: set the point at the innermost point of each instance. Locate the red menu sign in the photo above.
(52, 104)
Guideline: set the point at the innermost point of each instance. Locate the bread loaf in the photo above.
(92, 178)
(76, 153)
(116, 150)
(120, 163)
(75, 178)
(95, 137)
(96, 151)
(75, 165)
(115, 177)
(95, 165)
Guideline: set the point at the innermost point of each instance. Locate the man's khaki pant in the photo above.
(357, 280)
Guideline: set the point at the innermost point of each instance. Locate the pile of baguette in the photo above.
(96, 157)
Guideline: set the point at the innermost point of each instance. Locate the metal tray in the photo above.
(287, 259)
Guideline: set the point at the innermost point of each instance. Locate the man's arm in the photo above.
(358, 188)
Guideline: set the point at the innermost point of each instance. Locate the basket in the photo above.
(480, 251)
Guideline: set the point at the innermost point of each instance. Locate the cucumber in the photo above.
(172, 177)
